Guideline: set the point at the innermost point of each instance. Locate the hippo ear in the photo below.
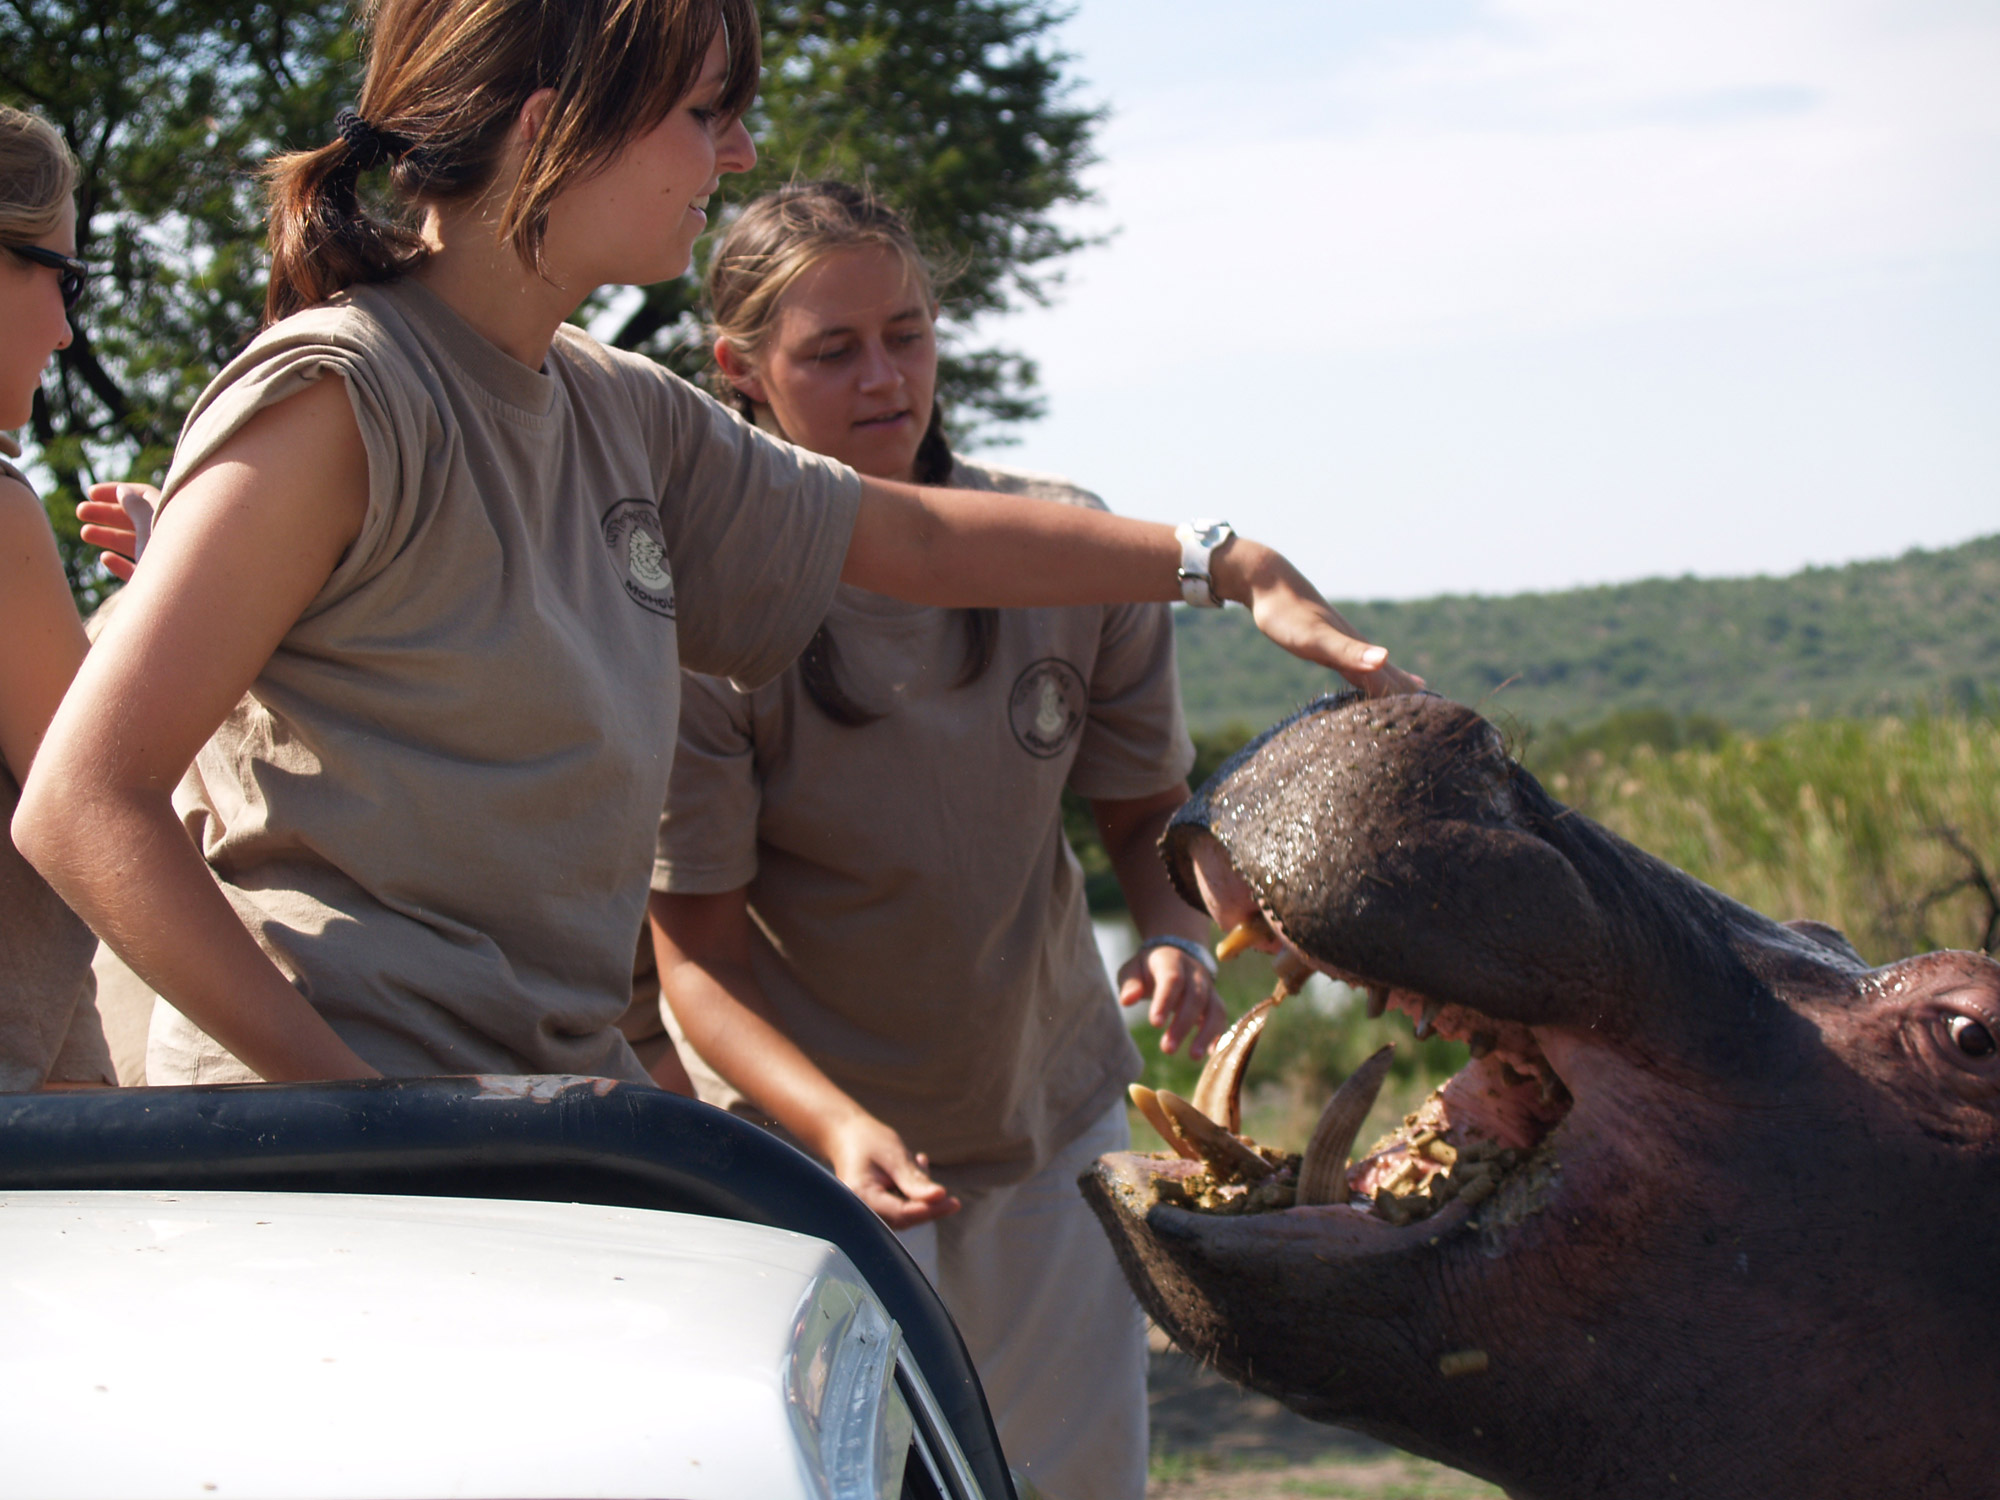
(1828, 937)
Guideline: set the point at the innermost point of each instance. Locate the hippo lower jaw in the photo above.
(1505, 1167)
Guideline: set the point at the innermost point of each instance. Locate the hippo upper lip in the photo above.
(1394, 842)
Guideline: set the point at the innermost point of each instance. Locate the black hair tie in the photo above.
(367, 147)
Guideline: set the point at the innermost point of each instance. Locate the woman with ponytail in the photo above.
(869, 927)
(363, 776)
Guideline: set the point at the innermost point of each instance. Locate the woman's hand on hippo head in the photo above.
(1184, 1002)
(895, 1182)
(1291, 612)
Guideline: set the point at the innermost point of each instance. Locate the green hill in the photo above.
(1865, 638)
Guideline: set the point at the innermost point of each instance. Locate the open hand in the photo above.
(1290, 611)
(886, 1175)
(1184, 1000)
(108, 525)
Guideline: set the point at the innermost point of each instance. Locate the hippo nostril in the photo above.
(1973, 1039)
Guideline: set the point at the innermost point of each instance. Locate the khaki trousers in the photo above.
(1059, 1341)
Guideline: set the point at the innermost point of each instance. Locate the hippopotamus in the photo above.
(1713, 1210)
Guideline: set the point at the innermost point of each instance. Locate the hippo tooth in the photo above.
(1378, 1001)
(1292, 971)
(1148, 1104)
(1323, 1172)
(1426, 1023)
(1245, 934)
(1227, 1157)
(1218, 1093)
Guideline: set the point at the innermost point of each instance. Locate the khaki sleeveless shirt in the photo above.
(435, 806)
(920, 925)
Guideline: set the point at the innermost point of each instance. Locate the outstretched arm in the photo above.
(703, 946)
(954, 547)
(244, 548)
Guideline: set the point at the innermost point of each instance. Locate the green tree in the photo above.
(169, 107)
(958, 112)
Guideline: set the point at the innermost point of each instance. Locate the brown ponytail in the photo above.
(445, 82)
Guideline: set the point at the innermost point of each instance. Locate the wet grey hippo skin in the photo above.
(1759, 1253)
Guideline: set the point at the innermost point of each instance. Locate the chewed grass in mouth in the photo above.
(1477, 1130)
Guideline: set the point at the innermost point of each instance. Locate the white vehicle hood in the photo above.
(211, 1345)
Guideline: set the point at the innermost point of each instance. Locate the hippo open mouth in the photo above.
(1474, 1132)
(1707, 1212)
(1477, 1132)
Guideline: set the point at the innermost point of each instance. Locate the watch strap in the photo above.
(1198, 540)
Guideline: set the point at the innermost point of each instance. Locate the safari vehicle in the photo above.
(536, 1286)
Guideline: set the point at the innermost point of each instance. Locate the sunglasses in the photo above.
(70, 272)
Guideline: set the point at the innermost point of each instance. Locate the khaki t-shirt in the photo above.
(920, 924)
(49, 1029)
(434, 808)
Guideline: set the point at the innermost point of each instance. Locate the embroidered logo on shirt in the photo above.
(639, 550)
(1047, 706)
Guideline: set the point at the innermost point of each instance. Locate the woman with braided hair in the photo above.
(363, 776)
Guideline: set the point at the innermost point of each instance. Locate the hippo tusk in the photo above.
(1227, 1157)
(1323, 1173)
(1148, 1104)
(1378, 1001)
(1218, 1093)
(1246, 934)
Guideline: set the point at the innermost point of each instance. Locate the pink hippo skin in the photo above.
(1748, 1242)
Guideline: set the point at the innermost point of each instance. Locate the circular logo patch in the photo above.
(639, 551)
(1047, 706)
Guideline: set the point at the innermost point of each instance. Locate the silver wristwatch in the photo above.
(1188, 946)
(1198, 540)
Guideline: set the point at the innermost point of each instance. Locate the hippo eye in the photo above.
(1973, 1039)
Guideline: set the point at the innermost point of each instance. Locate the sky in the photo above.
(1501, 295)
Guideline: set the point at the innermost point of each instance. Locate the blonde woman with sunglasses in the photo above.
(49, 1029)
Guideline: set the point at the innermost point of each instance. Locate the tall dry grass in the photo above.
(1884, 828)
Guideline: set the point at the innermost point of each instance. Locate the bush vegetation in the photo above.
(1887, 828)
(1864, 639)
